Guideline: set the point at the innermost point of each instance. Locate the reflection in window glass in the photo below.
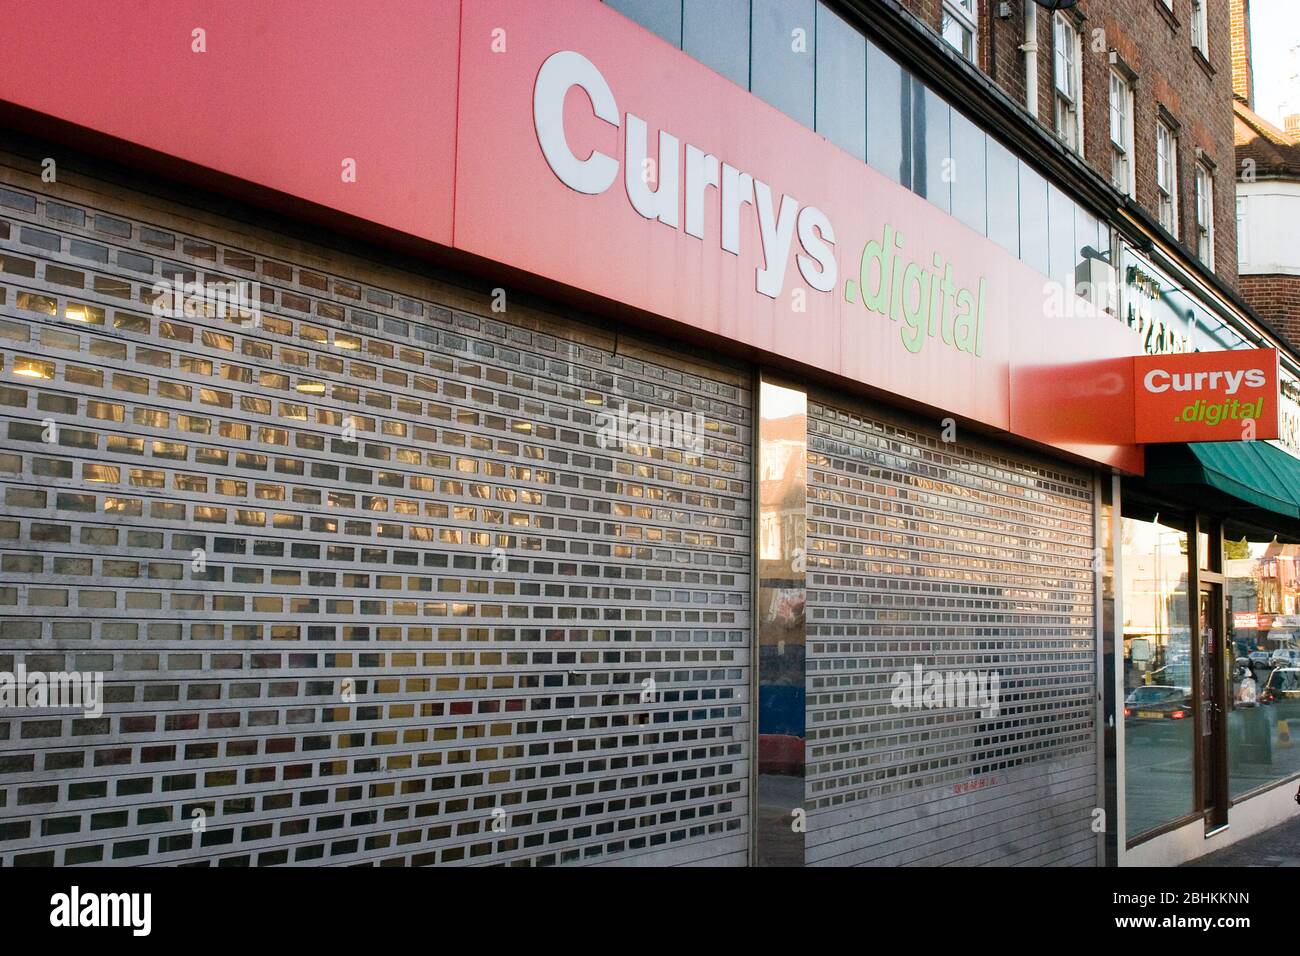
(1263, 594)
(782, 623)
(969, 200)
(1103, 242)
(1061, 250)
(1093, 274)
(889, 116)
(1158, 715)
(657, 16)
(1004, 211)
(932, 149)
(716, 33)
(1174, 321)
(1088, 241)
(841, 83)
(1033, 219)
(783, 55)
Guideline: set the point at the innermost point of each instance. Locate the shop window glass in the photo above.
(841, 83)
(1173, 320)
(1033, 219)
(1263, 598)
(716, 32)
(889, 116)
(969, 197)
(661, 17)
(1103, 242)
(783, 51)
(932, 147)
(1062, 251)
(1004, 211)
(1093, 276)
(1158, 714)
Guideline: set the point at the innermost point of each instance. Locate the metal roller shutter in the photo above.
(954, 557)
(363, 582)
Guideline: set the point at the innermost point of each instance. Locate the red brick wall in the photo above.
(1198, 95)
(1277, 300)
(1242, 80)
(1002, 59)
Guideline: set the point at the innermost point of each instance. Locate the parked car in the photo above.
(1158, 702)
(1282, 684)
(1260, 660)
(1285, 657)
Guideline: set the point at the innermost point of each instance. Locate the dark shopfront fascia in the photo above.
(1207, 546)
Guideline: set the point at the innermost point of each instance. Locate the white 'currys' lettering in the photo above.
(737, 190)
(1158, 380)
(776, 232)
(733, 188)
(662, 203)
(561, 72)
(1149, 382)
(813, 221)
(701, 173)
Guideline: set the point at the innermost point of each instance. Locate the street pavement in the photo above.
(1279, 846)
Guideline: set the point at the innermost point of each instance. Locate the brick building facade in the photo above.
(1268, 161)
(1152, 41)
(1276, 298)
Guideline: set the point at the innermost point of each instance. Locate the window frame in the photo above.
(1167, 164)
(1121, 151)
(1069, 127)
(964, 14)
(1200, 28)
(1205, 213)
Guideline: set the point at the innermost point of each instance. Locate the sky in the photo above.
(1275, 49)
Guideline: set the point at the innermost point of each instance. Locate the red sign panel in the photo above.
(1206, 396)
(600, 156)
(350, 110)
(563, 141)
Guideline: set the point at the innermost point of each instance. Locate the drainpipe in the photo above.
(1030, 49)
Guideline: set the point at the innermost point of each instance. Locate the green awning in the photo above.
(1245, 478)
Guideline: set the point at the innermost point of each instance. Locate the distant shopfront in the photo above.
(1206, 549)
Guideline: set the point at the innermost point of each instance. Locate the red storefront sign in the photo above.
(756, 229)
(280, 96)
(1251, 621)
(1206, 396)
(520, 133)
